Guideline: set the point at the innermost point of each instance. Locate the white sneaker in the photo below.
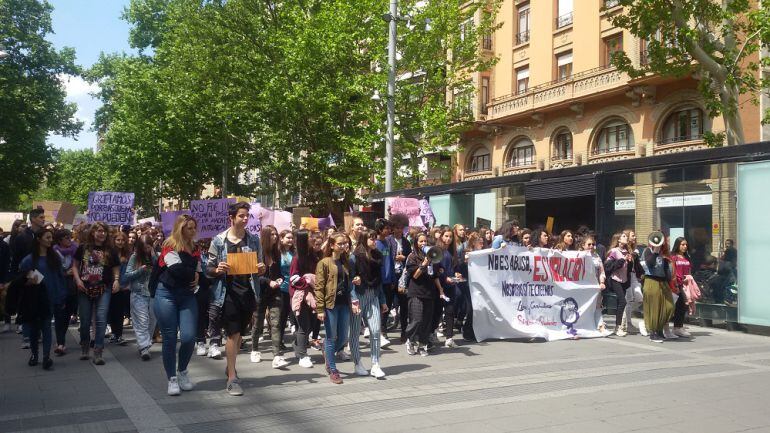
(366, 332)
(668, 334)
(450, 343)
(214, 352)
(185, 384)
(306, 362)
(342, 356)
(410, 349)
(293, 329)
(279, 362)
(681, 332)
(377, 371)
(643, 329)
(438, 334)
(361, 370)
(384, 342)
(173, 387)
(620, 332)
(200, 349)
(256, 356)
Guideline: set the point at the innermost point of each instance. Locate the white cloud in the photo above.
(77, 87)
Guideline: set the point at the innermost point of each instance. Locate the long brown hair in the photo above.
(140, 249)
(125, 251)
(562, 245)
(91, 238)
(333, 239)
(270, 249)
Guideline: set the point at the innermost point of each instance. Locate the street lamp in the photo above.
(392, 19)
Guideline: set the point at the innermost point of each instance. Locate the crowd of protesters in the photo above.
(381, 283)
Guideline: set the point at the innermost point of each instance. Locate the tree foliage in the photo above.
(723, 39)
(282, 90)
(32, 97)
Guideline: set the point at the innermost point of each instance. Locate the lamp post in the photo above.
(392, 18)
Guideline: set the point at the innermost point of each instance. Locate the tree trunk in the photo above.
(732, 116)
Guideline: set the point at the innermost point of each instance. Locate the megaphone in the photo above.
(656, 239)
(434, 253)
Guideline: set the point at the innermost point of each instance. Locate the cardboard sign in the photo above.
(242, 263)
(112, 208)
(7, 219)
(549, 225)
(298, 213)
(57, 211)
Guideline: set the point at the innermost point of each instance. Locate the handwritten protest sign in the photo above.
(410, 207)
(282, 220)
(167, 220)
(517, 292)
(113, 208)
(256, 213)
(211, 216)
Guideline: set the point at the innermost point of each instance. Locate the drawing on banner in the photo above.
(542, 293)
(211, 216)
(112, 208)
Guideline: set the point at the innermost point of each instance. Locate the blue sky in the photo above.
(91, 27)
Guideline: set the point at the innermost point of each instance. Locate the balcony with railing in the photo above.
(679, 143)
(564, 20)
(578, 85)
(522, 37)
(609, 4)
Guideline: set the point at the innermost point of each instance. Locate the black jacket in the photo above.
(30, 303)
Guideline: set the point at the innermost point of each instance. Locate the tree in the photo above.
(282, 89)
(32, 97)
(718, 40)
(73, 174)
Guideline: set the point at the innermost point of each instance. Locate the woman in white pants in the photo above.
(137, 276)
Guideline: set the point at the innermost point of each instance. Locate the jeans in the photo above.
(285, 314)
(271, 303)
(37, 327)
(389, 290)
(117, 312)
(680, 309)
(61, 319)
(86, 307)
(620, 294)
(143, 319)
(370, 310)
(176, 309)
(336, 324)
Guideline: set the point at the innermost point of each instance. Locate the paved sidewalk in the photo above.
(718, 382)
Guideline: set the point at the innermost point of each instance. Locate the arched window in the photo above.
(562, 145)
(480, 160)
(522, 153)
(614, 136)
(682, 125)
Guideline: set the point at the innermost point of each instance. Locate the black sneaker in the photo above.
(656, 337)
(32, 361)
(47, 363)
(120, 341)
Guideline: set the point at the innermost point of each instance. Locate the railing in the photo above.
(573, 77)
(486, 42)
(522, 37)
(476, 170)
(609, 4)
(561, 156)
(679, 139)
(614, 149)
(564, 20)
(520, 163)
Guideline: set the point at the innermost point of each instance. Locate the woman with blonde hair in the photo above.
(175, 306)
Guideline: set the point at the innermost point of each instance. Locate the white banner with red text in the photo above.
(538, 293)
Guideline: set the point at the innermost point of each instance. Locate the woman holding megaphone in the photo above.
(422, 290)
(658, 303)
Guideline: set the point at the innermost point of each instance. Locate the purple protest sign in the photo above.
(426, 213)
(254, 226)
(211, 216)
(325, 223)
(167, 220)
(113, 208)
